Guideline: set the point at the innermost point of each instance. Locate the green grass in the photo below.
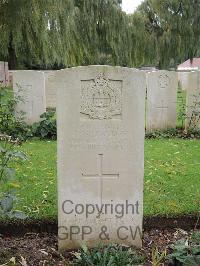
(172, 181)
(181, 108)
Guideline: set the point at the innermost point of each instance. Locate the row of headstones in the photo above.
(4, 74)
(39, 92)
(101, 129)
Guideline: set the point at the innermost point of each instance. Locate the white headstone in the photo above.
(161, 100)
(193, 101)
(183, 79)
(100, 119)
(50, 89)
(30, 86)
(10, 74)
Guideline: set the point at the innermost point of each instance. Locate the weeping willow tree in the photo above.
(109, 35)
(175, 26)
(36, 32)
(99, 24)
(140, 42)
(41, 34)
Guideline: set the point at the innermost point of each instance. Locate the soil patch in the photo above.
(41, 249)
(20, 228)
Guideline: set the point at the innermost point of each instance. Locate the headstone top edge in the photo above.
(27, 70)
(100, 67)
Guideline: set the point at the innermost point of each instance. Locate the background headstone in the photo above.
(50, 89)
(161, 100)
(183, 79)
(10, 74)
(193, 101)
(100, 120)
(30, 85)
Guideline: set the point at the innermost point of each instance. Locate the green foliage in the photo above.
(174, 25)
(46, 128)
(173, 133)
(38, 34)
(10, 123)
(186, 253)
(9, 156)
(54, 34)
(111, 255)
(32, 32)
(196, 238)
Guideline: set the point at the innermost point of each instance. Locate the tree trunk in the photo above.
(12, 59)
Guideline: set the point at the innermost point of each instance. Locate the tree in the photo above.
(141, 42)
(32, 32)
(99, 25)
(109, 35)
(175, 26)
(51, 33)
(54, 34)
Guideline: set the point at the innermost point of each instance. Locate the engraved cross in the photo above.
(100, 174)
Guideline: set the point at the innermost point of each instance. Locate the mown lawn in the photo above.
(172, 178)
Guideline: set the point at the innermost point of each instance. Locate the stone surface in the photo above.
(50, 89)
(183, 79)
(193, 101)
(10, 74)
(100, 116)
(30, 86)
(4, 74)
(161, 100)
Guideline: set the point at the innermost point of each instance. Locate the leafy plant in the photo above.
(8, 156)
(10, 123)
(111, 255)
(186, 252)
(173, 132)
(46, 128)
(196, 238)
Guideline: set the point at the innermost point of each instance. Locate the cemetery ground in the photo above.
(171, 202)
(171, 189)
(171, 185)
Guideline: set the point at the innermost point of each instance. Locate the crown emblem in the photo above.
(101, 100)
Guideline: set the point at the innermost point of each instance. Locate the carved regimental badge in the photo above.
(101, 99)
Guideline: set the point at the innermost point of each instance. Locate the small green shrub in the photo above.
(111, 255)
(46, 128)
(10, 123)
(173, 132)
(9, 155)
(186, 252)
